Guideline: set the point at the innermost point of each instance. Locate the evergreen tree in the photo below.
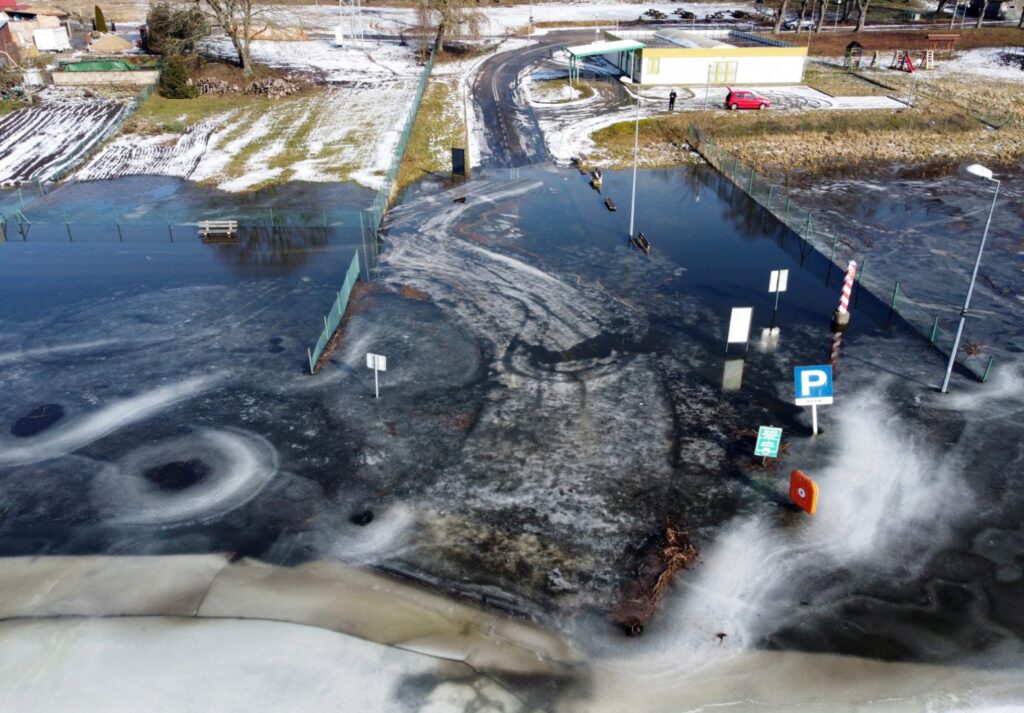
(174, 80)
(101, 22)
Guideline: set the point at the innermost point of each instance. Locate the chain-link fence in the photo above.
(332, 320)
(776, 199)
(386, 193)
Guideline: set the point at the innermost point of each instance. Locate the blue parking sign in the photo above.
(813, 385)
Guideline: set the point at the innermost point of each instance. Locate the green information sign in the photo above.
(768, 440)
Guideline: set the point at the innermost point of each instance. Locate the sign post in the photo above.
(813, 388)
(768, 440)
(377, 362)
(777, 283)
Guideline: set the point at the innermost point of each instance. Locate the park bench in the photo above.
(213, 230)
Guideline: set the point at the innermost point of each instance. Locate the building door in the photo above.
(722, 72)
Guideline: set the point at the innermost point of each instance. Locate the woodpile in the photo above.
(273, 88)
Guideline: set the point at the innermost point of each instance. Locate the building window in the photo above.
(654, 65)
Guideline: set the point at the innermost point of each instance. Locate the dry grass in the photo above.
(439, 126)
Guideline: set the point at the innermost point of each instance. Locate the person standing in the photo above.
(672, 100)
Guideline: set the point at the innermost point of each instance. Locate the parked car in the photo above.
(796, 24)
(745, 99)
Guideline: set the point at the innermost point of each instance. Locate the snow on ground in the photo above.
(38, 142)
(568, 126)
(497, 20)
(370, 63)
(986, 62)
(343, 133)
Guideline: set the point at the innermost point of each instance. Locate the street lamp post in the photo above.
(977, 170)
(636, 155)
(707, 88)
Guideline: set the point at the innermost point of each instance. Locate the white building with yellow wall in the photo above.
(682, 57)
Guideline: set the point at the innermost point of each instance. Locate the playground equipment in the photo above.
(901, 60)
(854, 52)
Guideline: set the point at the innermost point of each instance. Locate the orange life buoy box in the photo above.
(803, 491)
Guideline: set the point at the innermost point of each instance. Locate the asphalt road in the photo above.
(511, 132)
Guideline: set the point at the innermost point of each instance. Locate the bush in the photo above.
(175, 30)
(101, 22)
(174, 80)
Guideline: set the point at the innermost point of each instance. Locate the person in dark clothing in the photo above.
(672, 100)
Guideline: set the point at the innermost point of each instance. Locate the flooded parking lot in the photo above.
(554, 400)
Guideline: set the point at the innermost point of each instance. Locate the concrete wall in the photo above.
(77, 79)
(738, 65)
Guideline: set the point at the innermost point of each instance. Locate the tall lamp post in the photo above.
(977, 170)
(636, 155)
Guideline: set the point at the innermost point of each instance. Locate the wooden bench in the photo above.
(942, 42)
(214, 230)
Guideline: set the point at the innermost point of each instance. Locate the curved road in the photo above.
(512, 135)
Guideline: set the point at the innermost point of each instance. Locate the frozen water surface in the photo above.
(553, 401)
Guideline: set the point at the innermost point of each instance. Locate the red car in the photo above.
(745, 99)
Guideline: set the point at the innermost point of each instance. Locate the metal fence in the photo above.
(386, 193)
(332, 320)
(776, 199)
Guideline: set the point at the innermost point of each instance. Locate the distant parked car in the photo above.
(796, 24)
(745, 99)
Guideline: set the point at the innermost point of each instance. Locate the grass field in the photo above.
(439, 126)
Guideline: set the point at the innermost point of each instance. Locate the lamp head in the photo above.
(978, 170)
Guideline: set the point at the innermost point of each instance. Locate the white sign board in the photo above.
(339, 36)
(379, 363)
(778, 281)
(739, 325)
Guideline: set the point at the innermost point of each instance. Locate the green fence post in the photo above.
(895, 296)
(789, 204)
(935, 330)
(771, 190)
(67, 225)
(807, 225)
(325, 217)
(750, 183)
(310, 355)
(984, 376)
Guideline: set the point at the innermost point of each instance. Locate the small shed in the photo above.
(624, 50)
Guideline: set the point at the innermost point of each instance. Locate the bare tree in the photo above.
(862, 14)
(938, 10)
(236, 18)
(453, 18)
(803, 13)
(780, 15)
(981, 13)
(822, 5)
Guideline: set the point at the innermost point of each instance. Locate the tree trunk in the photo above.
(241, 49)
(981, 15)
(821, 15)
(862, 14)
(800, 19)
(780, 16)
(938, 10)
(847, 6)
